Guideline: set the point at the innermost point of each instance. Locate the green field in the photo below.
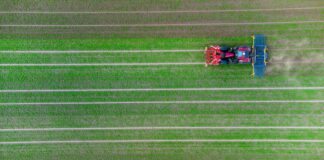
(123, 130)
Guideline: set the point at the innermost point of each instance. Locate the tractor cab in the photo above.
(243, 54)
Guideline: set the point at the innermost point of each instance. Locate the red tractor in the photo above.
(216, 55)
(257, 55)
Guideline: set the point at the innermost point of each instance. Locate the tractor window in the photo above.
(240, 54)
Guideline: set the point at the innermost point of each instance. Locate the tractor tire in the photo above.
(224, 48)
(224, 62)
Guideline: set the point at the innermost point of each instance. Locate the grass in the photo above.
(169, 151)
(164, 134)
(161, 115)
(280, 31)
(281, 16)
(99, 5)
(162, 96)
(154, 77)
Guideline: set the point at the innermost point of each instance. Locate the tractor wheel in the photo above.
(224, 62)
(224, 48)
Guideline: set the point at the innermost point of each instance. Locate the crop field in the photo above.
(123, 79)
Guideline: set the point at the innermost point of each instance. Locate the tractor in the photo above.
(256, 55)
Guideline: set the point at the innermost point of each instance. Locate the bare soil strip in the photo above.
(156, 24)
(164, 128)
(169, 141)
(160, 89)
(161, 11)
(157, 102)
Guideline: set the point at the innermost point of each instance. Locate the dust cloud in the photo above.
(292, 62)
